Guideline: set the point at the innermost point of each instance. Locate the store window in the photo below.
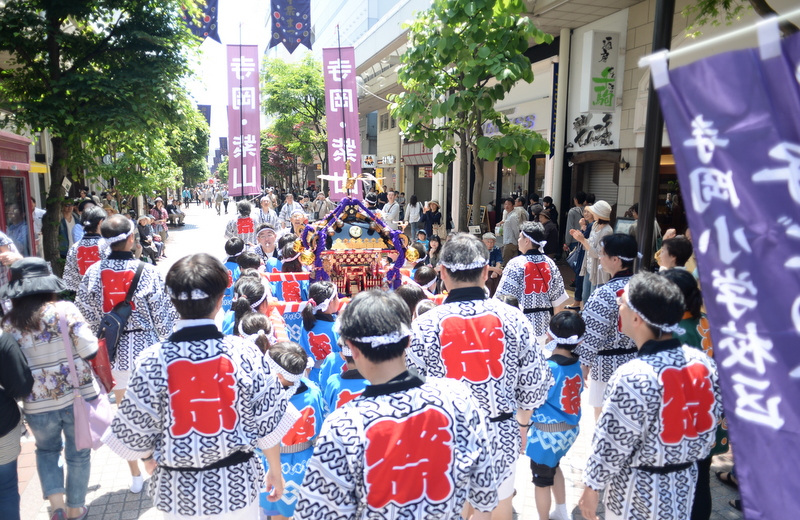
(16, 214)
(514, 184)
(384, 124)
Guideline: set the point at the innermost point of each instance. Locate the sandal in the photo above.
(82, 516)
(727, 478)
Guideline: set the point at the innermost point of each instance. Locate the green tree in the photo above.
(277, 162)
(85, 68)
(294, 93)
(188, 144)
(222, 170)
(463, 56)
(707, 12)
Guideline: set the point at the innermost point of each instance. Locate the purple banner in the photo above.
(734, 124)
(244, 126)
(341, 109)
(291, 24)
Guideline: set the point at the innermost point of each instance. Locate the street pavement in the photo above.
(109, 498)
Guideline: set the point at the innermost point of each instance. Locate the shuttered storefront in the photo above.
(601, 181)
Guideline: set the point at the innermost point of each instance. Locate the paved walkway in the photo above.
(109, 498)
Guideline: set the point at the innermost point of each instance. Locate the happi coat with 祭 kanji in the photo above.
(411, 448)
(81, 255)
(242, 227)
(333, 364)
(320, 341)
(343, 388)
(297, 445)
(488, 345)
(106, 283)
(605, 348)
(195, 400)
(555, 424)
(537, 283)
(661, 410)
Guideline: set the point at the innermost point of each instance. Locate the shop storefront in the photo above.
(419, 159)
(16, 211)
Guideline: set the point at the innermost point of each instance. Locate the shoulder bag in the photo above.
(113, 322)
(92, 418)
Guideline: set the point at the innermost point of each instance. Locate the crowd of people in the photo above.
(247, 388)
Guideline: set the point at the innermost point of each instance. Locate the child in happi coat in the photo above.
(342, 388)
(318, 337)
(291, 291)
(233, 248)
(251, 294)
(289, 362)
(332, 364)
(555, 425)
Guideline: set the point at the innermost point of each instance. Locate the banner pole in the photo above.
(653, 134)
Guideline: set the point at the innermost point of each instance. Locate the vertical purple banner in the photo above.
(341, 109)
(736, 141)
(244, 126)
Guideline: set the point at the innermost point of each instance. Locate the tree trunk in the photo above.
(463, 183)
(477, 190)
(52, 219)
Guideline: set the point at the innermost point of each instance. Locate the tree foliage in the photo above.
(715, 12)
(222, 170)
(294, 93)
(277, 163)
(463, 56)
(85, 69)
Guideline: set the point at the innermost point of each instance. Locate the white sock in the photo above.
(561, 512)
(137, 484)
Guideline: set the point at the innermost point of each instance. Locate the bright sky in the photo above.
(210, 85)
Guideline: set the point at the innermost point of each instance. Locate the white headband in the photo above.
(346, 350)
(265, 285)
(675, 328)
(324, 305)
(481, 262)
(121, 237)
(429, 284)
(385, 339)
(557, 340)
(271, 337)
(277, 369)
(292, 258)
(625, 258)
(195, 294)
(539, 244)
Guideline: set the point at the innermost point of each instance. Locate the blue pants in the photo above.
(9, 491)
(47, 428)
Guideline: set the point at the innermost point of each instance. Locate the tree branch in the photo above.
(763, 9)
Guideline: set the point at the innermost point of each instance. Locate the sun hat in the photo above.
(434, 201)
(545, 214)
(601, 209)
(31, 275)
(489, 236)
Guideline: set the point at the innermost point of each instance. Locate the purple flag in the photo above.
(206, 26)
(291, 24)
(244, 125)
(734, 124)
(341, 109)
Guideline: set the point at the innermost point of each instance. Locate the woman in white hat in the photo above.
(601, 210)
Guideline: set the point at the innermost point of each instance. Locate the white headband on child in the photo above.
(265, 285)
(322, 306)
(429, 284)
(195, 294)
(557, 340)
(675, 328)
(539, 244)
(275, 368)
(292, 258)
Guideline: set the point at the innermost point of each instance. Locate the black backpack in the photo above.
(113, 322)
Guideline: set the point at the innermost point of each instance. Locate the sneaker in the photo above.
(137, 484)
(558, 515)
(59, 514)
(82, 516)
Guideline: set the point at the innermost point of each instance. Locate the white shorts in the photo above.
(596, 391)
(506, 489)
(121, 377)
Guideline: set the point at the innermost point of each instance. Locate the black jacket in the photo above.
(15, 379)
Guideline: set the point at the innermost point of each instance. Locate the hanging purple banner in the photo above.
(206, 26)
(734, 124)
(341, 109)
(291, 24)
(244, 125)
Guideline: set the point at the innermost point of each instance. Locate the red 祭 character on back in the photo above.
(409, 459)
(688, 403)
(115, 287)
(472, 348)
(571, 395)
(86, 256)
(537, 277)
(291, 291)
(202, 396)
(244, 225)
(303, 428)
(320, 345)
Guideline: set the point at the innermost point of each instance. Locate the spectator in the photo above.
(510, 231)
(175, 214)
(243, 225)
(552, 247)
(391, 211)
(288, 208)
(68, 221)
(160, 224)
(551, 208)
(413, 214)
(431, 218)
